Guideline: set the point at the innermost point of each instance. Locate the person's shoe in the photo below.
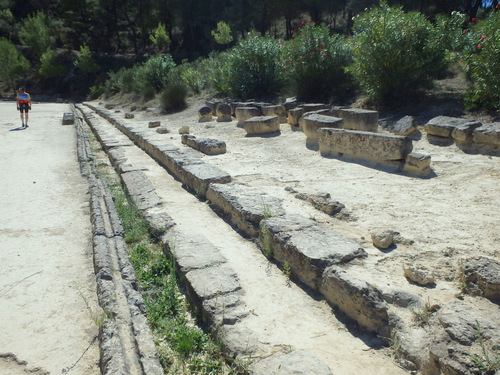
(23, 125)
(27, 126)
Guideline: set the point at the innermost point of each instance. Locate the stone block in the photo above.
(206, 145)
(417, 163)
(154, 124)
(245, 205)
(419, 274)
(129, 115)
(275, 110)
(212, 104)
(443, 126)
(313, 121)
(204, 114)
(482, 275)
(184, 129)
(223, 112)
(141, 190)
(307, 248)
(358, 119)
(290, 103)
(359, 300)
(310, 107)
(68, 118)
(244, 113)
(294, 116)
(405, 126)
(488, 134)
(262, 125)
(364, 146)
(463, 133)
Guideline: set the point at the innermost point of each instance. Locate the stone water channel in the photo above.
(248, 299)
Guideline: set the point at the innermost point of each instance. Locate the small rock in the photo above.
(204, 114)
(154, 124)
(384, 239)
(129, 115)
(184, 130)
(419, 274)
(162, 130)
(405, 126)
(484, 274)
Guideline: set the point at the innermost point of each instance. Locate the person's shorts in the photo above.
(24, 107)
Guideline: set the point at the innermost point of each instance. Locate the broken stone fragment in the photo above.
(405, 126)
(484, 274)
(129, 115)
(154, 124)
(419, 274)
(383, 239)
(184, 130)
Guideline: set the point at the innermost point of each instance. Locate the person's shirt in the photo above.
(23, 97)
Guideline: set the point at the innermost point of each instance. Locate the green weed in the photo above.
(489, 361)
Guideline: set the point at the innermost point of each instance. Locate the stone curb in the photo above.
(126, 326)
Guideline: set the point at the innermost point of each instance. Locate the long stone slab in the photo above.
(245, 205)
(358, 119)
(141, 190)
(488, 134)
(358, 299)
(366, 146)
(208, 146)
(307, 248)
(444, 126)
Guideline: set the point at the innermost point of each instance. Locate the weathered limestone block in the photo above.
(129, 115)
(206, 145)
(184, 129)
(275, 110)
(198, 177)
(68, 118)
(313, 121)
(358, 299)
(262, 125)
(141, 190)
(223, 310)
(223, 111)
(322, 202)
(419, 274)
(298, 362)
(488, 134)
(310, 107)
(402, 298)
(162, 130)
(291, 103)
(464, 133)
(358, 119)
(244, 113)
(405, 126)
(363, 145)
(191, 251)
(302, 120)
(244, 204)
(159, 222)
(294, 116)
(418, 164)
(484, 274)
(211, 282)
(307, 248)
(212, 104)
(154, 124)
(204, 114)
(443, 126)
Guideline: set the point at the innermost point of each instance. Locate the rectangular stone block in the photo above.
(208, 146)
(444, 126)
(244, 113)
(364, 146)
(275, 110)
(487, 134)
(294, 116)
(306, 247)
(68, 118)
(313, 121)
(418, 163)
(358, 119)
(358, 299)
(262, 125)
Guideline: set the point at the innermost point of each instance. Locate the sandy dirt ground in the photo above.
(46, 271)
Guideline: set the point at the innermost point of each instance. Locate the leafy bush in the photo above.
(222, 34)
(84, 60)
(219, 72)
(173, 97)
(35, 32)
(314, 63)
(12, 63)
(160, 38)
(253, 67)
(153, 73)
(483, 66)
(396, 54)
(49, 66)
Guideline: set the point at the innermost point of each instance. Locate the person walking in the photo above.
(23, 101)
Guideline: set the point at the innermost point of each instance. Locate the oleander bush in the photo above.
(483, 65)
(396, 54)
(314, 63)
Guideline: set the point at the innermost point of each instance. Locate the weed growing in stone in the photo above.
(265, 242)
(489, 361)
(421, 316)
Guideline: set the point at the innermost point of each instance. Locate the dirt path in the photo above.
(46, 271)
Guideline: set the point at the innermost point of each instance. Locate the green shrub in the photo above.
(173, 97)
(219, 72)
(12, 63)
(160, 38)
(95, 92)
(84, 60)
(314, 63)
(121, 81)
(483, 66)
(35, 32)
(49, 66)
(222, 34)
(253, 67)
(153, 73)
(396, 54)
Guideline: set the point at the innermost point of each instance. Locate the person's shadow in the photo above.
(17, 129)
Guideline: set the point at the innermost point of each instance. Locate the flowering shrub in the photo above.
(483, 66)
(396, 54)
(253, 69)
(314, 63)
